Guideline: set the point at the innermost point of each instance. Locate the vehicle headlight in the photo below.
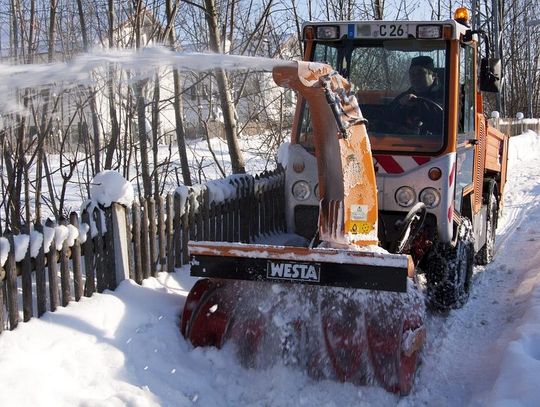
(405, 196)
(301, 190)
(430, 197)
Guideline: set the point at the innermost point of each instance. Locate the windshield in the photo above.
(401, 90)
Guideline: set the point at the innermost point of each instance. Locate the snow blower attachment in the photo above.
(342, 308)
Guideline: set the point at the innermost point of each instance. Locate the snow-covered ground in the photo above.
(124, 347)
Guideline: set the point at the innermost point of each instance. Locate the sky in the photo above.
(123, 348)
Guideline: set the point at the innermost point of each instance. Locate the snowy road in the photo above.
(463, 357)
(124, 348)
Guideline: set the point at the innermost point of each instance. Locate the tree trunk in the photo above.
(224, 89)
(378, 6)
(14, 5)
(143, 138)
(115, 128)
(298, 30)
(177, 104)
(92, 94)
(180, 132)
(52, 29)
(141, 112)
(155, 131)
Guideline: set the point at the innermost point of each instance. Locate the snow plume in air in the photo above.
(140, 63)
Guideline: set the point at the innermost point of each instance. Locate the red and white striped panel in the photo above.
(397, 164)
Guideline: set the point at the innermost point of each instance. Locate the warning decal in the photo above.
(360, 228)
(359, 212)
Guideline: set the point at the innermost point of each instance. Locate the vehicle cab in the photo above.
(422, 152)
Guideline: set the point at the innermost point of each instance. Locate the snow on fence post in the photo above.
(111, 191)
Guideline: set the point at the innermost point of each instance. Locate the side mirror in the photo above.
(490, 75)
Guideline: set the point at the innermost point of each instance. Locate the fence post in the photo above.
(137, 247)
(99, 252)
(130, 243)
(76, 259)
(11, 282)
(162, 260)
(152, 231)
(27, 281)
(64, 269)
(186, 222)
(120, 241)
(145, 242)
(178, 238)
(169, 230)
(89, 264)
(52, 267)
(2, 285)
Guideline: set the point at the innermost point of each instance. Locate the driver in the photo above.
(419, 107)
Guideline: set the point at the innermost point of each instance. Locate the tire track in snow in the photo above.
(463, 351)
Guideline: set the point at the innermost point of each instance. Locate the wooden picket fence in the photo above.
(134, 243)
(515, 127)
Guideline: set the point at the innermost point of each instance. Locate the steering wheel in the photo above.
(409, 227)
(437, 106)
(420, 110)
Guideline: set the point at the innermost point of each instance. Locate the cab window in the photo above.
(466, 94)
(401, 89)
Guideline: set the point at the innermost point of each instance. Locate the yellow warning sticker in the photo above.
(360, 227)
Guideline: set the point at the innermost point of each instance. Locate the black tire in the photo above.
(486, 253)
(449, 270)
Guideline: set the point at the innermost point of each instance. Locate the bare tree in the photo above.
(115, 128)
(92, 100)
(224, 88)
(177, 103)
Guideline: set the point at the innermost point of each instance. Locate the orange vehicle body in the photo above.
(486, 147)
